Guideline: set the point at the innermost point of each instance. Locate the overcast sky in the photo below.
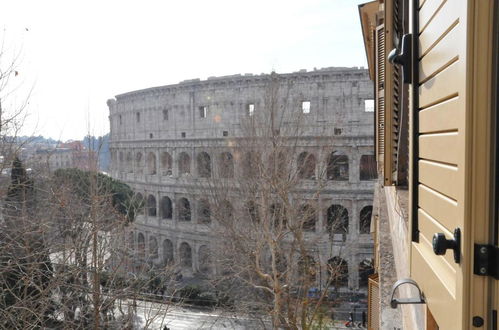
(77, 54)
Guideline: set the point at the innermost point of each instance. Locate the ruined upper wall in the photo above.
(336, 97)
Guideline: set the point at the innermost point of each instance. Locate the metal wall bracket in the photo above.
(394, 302)
(486, 262)
(403, 57)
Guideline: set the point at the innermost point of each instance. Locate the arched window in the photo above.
(184, 209)
(129, 162)
(368, 167)
(185, 252)
(204, 257)
(184, 163)
(308, 217)
(121, 163)
(306, 166)
(365, 219)
(337, 167)
(166, 208)
(338, 271)
(153, 247)
(138, 163)
(226, 166)
(337, 219)
(151, 206)
(167, 252)
(131, 242)
(141, 245)
(166, 164)
(151, 163)
(278, 165)
(204, 165)
(140, 203)
(204, 211)
(365, 269)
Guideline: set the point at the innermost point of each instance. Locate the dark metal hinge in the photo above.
(486, 261)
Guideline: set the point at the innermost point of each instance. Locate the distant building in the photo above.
(65, 155)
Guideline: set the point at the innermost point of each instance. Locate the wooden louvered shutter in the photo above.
(373, 311)
(380, 93)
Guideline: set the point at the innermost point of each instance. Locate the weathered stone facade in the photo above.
(158, 134)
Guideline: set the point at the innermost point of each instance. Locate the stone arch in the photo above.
(204, 259)
(138, 163)
(121, 163)
(184, 163)
(151, 163)
(153, 247)
(337, 269)
(204, 165)
(308, 217)
(337, 167)
(226, 165)
(337, 219)
(204, 211)
(166, 208)
(168, 252)
(367, 168)
(184, 209)
(225, 211)
(166, 164)
(277, 214)
(129, 162)
(306, 165)
(141, 245)
(151, 206)
(185, 254)
(365, 219)
(131, 241)
(365, 269)
(278, 166)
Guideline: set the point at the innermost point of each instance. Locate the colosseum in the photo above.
(166, 140)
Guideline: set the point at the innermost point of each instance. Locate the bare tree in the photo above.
(266, 203)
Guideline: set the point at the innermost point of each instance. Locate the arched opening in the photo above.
(131, 242)
(153, 247)
(185, 252)
(308, 217)
(166, 164)
(278, 216)
(307, 269)
(368, 167)
(252, 212)
(151, 163)
(204, 211)
(167, 252)
(226, 165)
(337, 167)
(204, 165)
(251, 164)
(365, 269)
(141, 245)
(204, 256)
(129, 162)
(121, 163)
(151, 206)
(337, 269)
(138, 163)
(278, 166)
(166, 208)
(140, 203)
(184, 209)
(184, 164)
(225, 212)
(306, 166)
(337, 219)
(365, 219)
